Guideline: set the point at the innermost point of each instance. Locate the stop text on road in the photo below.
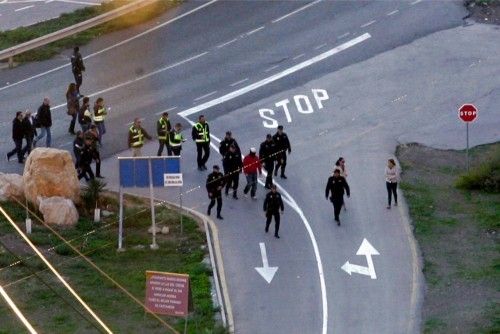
(301, 104)
(467, 112)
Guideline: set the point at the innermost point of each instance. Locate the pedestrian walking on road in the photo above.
(72, 105)
(136, 134)
(84, 114)
(391, 182)
(267, 153)
(18, 136)
(176, 139)
(232, 165)
(340, 165)
(86, 157)
(29, 132)
(227, 142)
(100, 113)
(44, 120)
(163, 129)
(273, 204)
(282, 147)
(201, 136)
(251, 166)
(77, 67)
(336, 185)
(215, 183)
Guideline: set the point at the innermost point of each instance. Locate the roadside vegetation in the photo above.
(456, 219)
(51, 309)
(23, 34)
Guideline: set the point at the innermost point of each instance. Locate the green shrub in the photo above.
(92, 193)
(485, 177)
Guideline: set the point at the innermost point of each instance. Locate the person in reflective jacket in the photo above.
(336, 185)
(201, 135)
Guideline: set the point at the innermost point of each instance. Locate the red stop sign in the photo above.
(467, 112)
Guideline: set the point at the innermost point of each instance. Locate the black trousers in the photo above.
(217, 197)
(203, 150)
(337, 206)
(78, 80)
(232, 181)
(97, 163)
(176, 150)
(281, 163)
(18, 149)
(72, 123)
(29, 145)
(391, 190)
(269, 167)
(85, 171)
(269, 216)
(164, 143)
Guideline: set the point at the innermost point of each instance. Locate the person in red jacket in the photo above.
(251, 166)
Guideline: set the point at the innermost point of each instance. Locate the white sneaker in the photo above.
(254, 197)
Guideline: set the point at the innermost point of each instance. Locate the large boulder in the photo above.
(58, 211)
(50, 172)
(11, 187)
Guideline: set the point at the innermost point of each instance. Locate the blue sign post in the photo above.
(142, 172)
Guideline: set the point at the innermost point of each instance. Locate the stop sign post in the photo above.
(467, 113)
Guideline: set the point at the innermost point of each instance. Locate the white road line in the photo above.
(276, 76)
(296, 11)
(23, 8)
(227, 43)
(271, 68)
(125, 41)
(80, 2)
(415, 2)
(204, 96)
(254, 31)
(299, 56)
(142, 77)
(343, 35)
(393, 12)
(66, 144)
(238, 82)
(368, 23)
(167, 110)
(320, 46)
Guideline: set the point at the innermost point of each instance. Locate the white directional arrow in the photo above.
(265, 271)
(367, 250)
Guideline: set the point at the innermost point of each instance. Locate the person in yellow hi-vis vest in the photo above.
(163, 128)
(100, 113)
(201, 136)
(176, 139)
(136, 136)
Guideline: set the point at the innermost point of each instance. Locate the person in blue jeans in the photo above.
(44, 120)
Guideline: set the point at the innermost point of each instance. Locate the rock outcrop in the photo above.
(58, 211)
(11, 187)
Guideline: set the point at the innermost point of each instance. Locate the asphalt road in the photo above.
(378, 94)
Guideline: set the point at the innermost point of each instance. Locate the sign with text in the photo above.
(135, 171)
(172, 180)
(167, 293)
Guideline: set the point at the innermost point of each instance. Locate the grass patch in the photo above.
(484, 177)
(23, 34)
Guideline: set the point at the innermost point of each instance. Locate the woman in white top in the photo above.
(340, 166)
(391, 181)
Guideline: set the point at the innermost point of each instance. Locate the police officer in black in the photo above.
(215, 183)
(267, 154)
(233, 166)
(87, 154)
(273, 204)
(77, 67)
(282, 146)
(336, 185)
(226, 143)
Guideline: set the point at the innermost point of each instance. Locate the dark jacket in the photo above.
(84, 118)
(267, 151)
(17, 129)
(29, 127)
(282, 142)
(273, 202)
(78, 145)
(232, 162)
(215, 183)
(43, 116)
(201, 132)
(77, 63)
(226, 143)
(163, 130)
(336, 186)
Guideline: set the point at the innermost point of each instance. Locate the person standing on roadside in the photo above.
(176, 139)
(251, 166)
(336, 185)
(44, 118)
(282, 147)
(232, 168)
(84, 115)
(29, 132)
(163, 129)
(391, 182)
(267, 153)
(73, 106)
(273, 204)
(100, 113)
(215, 183)
(17, 136)
(201, 135)
(136, 134)
(227, 142)
(77, 67)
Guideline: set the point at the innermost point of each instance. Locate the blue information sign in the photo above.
(134, 172)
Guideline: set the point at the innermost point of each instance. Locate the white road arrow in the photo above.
(265, 271)
(367, 250)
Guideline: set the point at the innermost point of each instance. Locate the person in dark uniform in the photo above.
(336, 185)
(17, 136)
(163, 129)
(77, 67)
(226, 143)
(93, 134)
(267, 154)
(201, 135)
(215, 183)
(78, 145)
(233, 166)
(273, 204)
(282, 146)
(29, 132)
(86, 157)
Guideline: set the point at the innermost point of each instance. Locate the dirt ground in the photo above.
(457, 232)
(484, 13)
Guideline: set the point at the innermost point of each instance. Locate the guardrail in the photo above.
(68, 31)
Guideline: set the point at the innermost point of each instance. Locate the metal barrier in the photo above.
(68, 31)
